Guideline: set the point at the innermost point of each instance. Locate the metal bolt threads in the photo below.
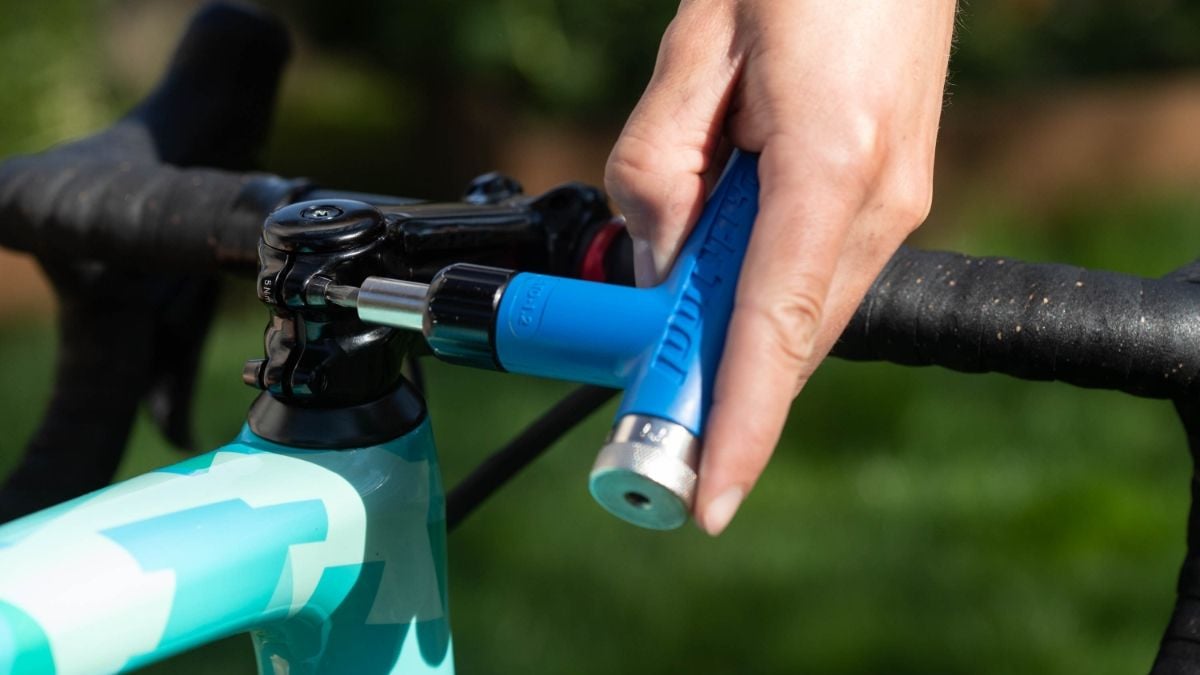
(646, 472)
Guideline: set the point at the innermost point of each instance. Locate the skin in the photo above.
(842, 99)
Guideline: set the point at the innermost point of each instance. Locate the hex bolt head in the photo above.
(252, 372)
(321, 212)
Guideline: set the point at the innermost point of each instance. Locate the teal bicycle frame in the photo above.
(333, 560)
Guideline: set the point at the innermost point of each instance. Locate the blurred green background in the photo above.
(912, 521)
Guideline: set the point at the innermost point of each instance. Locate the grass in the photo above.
(912, 520)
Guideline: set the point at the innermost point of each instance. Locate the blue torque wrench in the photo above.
(661, 345)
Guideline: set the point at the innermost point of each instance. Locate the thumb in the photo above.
(658, 170)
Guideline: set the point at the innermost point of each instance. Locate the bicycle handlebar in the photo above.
(132, 225)
(120, 210)
(130, 247)
(125, 194)
(134, 198)
(1033, 321)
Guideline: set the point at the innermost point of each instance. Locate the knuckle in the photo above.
(852, 159)
(908, 198)
(859, 153)
(656, 187)
(920, 191)
(864, 162)
(868, 159)
(631, 176)
(789, 323)
(631, 162)
(676, 39)
(646, 153)
(913, 207)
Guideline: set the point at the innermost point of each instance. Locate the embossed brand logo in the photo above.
(710, 280)
(532, 306)
(529, 302)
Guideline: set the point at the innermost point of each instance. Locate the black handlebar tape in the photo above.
(1052, 322)
(1032, 321)
(118, 196)
(133, 316)
(100, 376)
(69, 204)
(214, 105)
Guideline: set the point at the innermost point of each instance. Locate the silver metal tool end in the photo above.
(646, 472)
(342, 296)
(391, 302)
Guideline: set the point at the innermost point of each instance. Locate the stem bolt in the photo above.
(252, 373)
(321, 212)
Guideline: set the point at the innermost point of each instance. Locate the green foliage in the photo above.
(1022, 41)
(46, 93)
(588, 59)
(591, 59)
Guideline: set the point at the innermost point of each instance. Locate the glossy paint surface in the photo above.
(333, 560)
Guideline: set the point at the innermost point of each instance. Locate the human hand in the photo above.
(842, 100)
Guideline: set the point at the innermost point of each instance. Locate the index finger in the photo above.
(805, 214)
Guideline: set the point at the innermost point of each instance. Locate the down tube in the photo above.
(333, 560)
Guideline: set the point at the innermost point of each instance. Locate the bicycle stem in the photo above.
(661, 344)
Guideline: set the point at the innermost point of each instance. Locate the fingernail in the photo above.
(645, 273)
(720, 510)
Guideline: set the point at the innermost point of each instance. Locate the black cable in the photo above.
(503, 464)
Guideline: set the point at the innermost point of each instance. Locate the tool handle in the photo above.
(675, 382)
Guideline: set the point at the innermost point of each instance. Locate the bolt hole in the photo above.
(637, 500)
